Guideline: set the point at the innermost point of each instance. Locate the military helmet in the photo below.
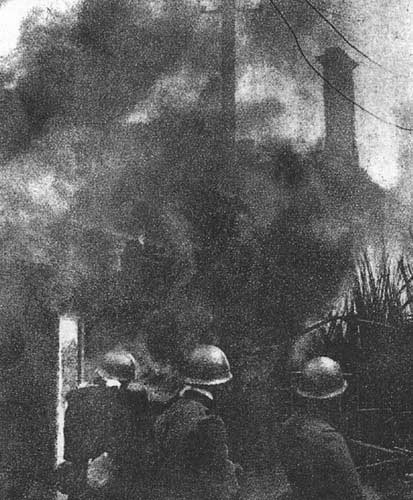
(117, 365)
(321, 378)
(207, 365)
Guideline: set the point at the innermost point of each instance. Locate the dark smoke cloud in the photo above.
(116, 106)
(92, 66)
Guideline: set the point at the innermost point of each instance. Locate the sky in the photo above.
(13, 12)
(382, 29)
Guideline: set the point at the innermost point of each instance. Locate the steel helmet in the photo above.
(207, 365)
(321, 378)
(117, 365)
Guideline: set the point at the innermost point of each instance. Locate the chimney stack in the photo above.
(340, 134)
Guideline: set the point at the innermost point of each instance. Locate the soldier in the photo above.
(103, 435)
(315, 455)
(192, 443)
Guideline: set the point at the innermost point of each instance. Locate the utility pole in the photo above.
(228, 9)
(228, 76)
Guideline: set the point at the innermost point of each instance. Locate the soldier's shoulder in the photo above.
(321, 426)
(307, 425)
(185, 408)
(314, 428)
(192, 405)
(322, 435)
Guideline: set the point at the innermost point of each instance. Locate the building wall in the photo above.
(28, 337)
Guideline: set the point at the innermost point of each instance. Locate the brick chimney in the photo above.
(340, 133)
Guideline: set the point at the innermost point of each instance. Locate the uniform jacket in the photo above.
(317, 461)
(110, 420)
(102, 419)
(193, 457)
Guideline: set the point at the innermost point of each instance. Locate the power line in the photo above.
(318, 73)
(352, 45)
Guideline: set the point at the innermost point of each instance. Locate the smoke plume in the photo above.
(112, 174)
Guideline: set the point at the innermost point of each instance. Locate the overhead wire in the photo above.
(320, 75)
(349, 43)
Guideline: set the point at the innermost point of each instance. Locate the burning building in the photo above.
(118, 193)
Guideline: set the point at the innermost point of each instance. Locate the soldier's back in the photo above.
(174, 428)
(317, 461)
(193, 454)
(129, 430)
(113, 421)
(87, 422)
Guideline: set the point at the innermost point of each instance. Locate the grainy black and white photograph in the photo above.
(206, 250)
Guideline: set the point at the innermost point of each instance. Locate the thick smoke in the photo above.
(91, 67)
(113, 175)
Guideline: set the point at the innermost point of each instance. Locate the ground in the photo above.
(274, 486)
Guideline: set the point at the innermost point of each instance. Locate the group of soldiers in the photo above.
(119, 446)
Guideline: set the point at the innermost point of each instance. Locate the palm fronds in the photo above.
(371, 331)
(381, 295)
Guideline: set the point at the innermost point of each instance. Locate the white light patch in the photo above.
(68, 327)
(138, 115)
(384, 31)
(13, 12)
(67, 374)
(298, 119)
(378, 150)
(44, 192)
(261, 81)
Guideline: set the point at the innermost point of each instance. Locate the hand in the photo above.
(70, 477)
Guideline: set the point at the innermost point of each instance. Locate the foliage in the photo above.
(371, 331)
